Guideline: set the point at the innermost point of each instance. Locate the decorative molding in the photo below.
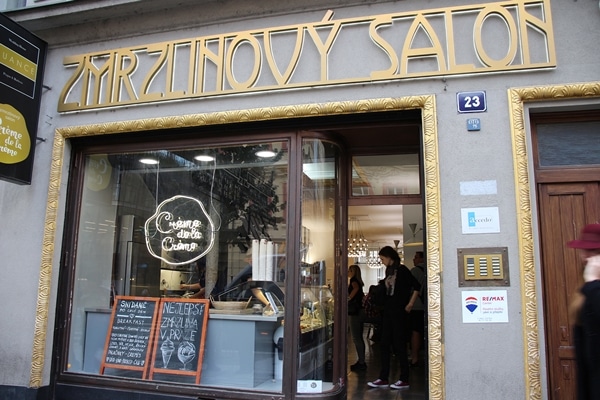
(521, 164)
(44, 285)
(431, 184)
(433, 221)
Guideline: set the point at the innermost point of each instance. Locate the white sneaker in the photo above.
(378, 383)
(400, 385)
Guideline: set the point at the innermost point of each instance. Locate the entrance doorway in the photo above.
(385, 207)
(568, 193)
(386, 225)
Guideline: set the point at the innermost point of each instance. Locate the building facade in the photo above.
(206, 142)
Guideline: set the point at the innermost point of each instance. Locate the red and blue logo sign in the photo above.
(471, 303)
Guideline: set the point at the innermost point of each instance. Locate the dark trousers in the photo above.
(394, 338)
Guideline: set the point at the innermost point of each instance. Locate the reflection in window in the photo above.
(185, 223)
(385, 175)
(317, 254)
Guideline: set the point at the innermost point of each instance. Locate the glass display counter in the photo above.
(316, 333)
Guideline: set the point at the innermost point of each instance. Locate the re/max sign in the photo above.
(480, 38)
(492, 298)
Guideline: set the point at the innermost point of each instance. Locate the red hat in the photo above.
(589, 238)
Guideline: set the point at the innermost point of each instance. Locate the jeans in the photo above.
(356, 330)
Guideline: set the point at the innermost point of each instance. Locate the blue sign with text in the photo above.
(473, 124)
(469, 102)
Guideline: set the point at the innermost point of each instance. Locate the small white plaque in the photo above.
(480, 220)
(310, 386)
(478, 188)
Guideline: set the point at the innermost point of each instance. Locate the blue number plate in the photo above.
(469, 102)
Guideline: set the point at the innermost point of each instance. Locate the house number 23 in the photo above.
(471, 102)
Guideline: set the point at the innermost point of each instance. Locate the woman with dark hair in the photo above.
(398, 292)
(356, 315)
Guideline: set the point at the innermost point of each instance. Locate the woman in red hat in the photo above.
(586, 311)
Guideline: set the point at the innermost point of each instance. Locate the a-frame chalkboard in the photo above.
(130, 334)
(180, 334)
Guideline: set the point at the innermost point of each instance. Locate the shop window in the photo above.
(164, 223)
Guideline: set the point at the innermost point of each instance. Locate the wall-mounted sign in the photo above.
(483, 306)
(470, 102)
(480, 220)
(318, 53)
(473, 124)
(180, 231)
(22, 57)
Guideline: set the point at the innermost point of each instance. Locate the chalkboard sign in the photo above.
(130, 334)
(180, 333)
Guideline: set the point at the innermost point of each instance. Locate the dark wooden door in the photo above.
(564, 208)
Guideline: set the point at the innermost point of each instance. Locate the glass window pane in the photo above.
(186, 223)
(317, 266)
(573, 143)
(385, 175)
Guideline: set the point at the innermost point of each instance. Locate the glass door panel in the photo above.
(317, 265)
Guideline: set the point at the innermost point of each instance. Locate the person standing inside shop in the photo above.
(398, 292)
(417, 314)
(196, 283)
(586, 312)
(356, 315)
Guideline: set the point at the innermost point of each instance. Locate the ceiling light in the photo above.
(410, 242)
(265, 153)
(373, 260)
(204, 157)
(149, 161)
(357, 244)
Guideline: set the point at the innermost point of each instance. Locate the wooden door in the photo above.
(564, 208)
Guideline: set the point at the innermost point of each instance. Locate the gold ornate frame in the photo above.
(521, 161)
(431, 183)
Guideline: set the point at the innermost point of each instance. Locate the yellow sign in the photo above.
(479, 38)
(15, 143)
(17, 62)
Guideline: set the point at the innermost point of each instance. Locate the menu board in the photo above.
(180, 333)
(130, 334)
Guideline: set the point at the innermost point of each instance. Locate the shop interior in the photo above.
(399, 226)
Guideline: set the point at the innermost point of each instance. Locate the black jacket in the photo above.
(586, 337)
(406, 284)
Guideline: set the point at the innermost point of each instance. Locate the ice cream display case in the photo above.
(325, 297)
(316, 333)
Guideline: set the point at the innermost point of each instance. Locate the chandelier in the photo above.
(373, 260)
(357, 244)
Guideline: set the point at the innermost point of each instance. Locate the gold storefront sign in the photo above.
(480, 38)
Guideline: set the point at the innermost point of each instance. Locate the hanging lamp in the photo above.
(357, 244)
